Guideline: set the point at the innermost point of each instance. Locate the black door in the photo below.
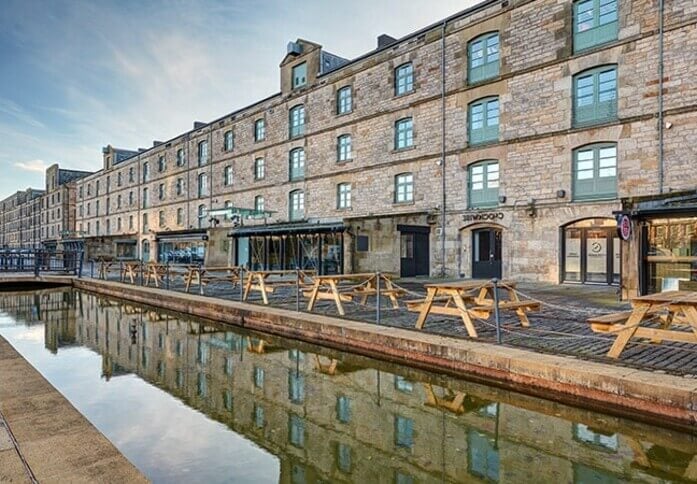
(486, 253)
(414, 251)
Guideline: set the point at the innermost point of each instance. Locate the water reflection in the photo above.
(328, 416)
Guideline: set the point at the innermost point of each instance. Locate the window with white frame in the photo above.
(344, 148)
(180, 157)
(404, 79)
(404, 133)
(344, 100)
(227, 178)
(404, 188)
(343, 196)
(202, 185)
(296, 121)
(296, 205)
(202, 153)
(259, 129)
(259, 203)
(202, 212)
(228, 141)
(296, 164)
(259, 169)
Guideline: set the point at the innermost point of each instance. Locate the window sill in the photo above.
(259, 179)
(483, 143)
(342, 162)
(404, 94)
(594, 123)
(606, 198)
(403, 204)
(344, 114)
(483, 207)
(402, 150)
(479, 82)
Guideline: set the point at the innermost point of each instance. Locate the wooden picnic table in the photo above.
(201, 275)
(467, 299)
(327, 287)
(156, 272)
(129, 269)
(668, 308)
(104, 268)
(263, 281)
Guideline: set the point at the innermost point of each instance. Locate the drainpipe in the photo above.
(442, 161)
(660, 97)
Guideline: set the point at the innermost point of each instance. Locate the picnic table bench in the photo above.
(266, 282)
(467, 299)
(103, 268)
(667, 308)
(202, 276)
(155, 272)
(129, 269)
(327, 287)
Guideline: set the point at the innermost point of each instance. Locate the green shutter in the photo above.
(487, 192)
(598, 27)
(484, 126)
(592, 184)
(488, 67)
(598, 88)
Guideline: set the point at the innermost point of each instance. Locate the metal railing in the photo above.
(41, 261)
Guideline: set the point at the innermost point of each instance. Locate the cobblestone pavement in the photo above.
(559, 327)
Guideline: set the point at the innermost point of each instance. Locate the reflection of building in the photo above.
(334, 417)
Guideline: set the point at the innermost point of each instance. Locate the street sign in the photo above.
(624, 227)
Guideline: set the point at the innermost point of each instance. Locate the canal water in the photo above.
(191, 401)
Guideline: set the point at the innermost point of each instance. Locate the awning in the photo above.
(676, 203)
(126, 241)
(179, 235)
(288, 229)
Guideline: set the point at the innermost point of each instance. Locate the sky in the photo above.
(77, 75)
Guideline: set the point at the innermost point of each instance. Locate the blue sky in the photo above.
(77, 75)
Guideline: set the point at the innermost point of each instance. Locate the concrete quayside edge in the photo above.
(637, 394)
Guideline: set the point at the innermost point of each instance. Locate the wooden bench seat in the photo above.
(509, 305)
(415, 304)
(373, 292)
(605, 322)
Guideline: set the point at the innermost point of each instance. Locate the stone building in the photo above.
(20, 221)
(497, 142)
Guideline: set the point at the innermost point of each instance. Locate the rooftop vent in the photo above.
(156, 143)
(140, 150)
(295, 48)
(198, 124)
(384, 40)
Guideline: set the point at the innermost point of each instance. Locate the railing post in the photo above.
(79, 269)
(200, 279)
(37, 261)
(377, 298)
(122, 274)
(495, 283)
(167, 273)
(241, 283)
(141, 267)
(92, 269)
(297, 288)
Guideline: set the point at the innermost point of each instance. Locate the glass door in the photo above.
(486, 253)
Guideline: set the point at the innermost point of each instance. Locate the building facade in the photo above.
(501, 141)
(21, 220)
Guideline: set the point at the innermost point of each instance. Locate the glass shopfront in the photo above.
(591, 252)
(126, 249)
(322, 251)
(182, 248)
(670, 254)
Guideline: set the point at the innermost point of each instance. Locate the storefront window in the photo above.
(672, 254)
(181, 252)
(592, 252)
(126, 250)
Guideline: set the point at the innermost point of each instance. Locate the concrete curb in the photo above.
(635, 393)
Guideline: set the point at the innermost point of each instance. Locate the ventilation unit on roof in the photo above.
(295, 48)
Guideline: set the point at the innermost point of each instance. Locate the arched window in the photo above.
(595, 172)
(202, 216)
(202, 153)
(296, 205)
(296, 164)
(202, 185)
(403, 133)
(259, 204)
(595, 96)
(483, 184)
(296, 121)
(404, 79)
(404, 188)
(483, 58)
(146, 172)
(595, 23)
(483, 120)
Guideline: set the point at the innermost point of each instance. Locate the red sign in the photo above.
(624, 227)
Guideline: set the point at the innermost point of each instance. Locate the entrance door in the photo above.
(414, 251)
(486, 253)
(591, 253)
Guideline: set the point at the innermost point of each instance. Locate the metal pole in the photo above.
(241, 283)
(141, 271)
(167, 273)
(92, 269)
(377, 298)
(496, 310)
(200, 279)
(36, 264)
(297, 289)
(122, 274)
(81, 256)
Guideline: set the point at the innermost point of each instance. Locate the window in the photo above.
(343, 409)
(595, 172)
(202, 185)
(483, 458)
(258, 377)
(259, 169)
(228, 141)
(484, 121)
(108, 184)
(89, 189)
(296, 164)
(259, 130)
(299, 75)
(180, 216)
(343, 457)
(296, 121)
(145, 222)
(296, 387)
(343, 148)
(180, 157)
(145, 198)
(404, 79)
(118, 201)
(258, 203)
(362, 243)
(118, 224)
(343, 196)
(96, 188)
(585, 434)
(108, 227)
(96, 227)
(146, 172)
(344, 100)
(161, 218)
(296, 205)
(595, 96)
(403, 385)
(161, 164)
(404, 188)
(202, 153)
(108, 204)
(595, 23)
(296, 433)
(227, 177)
(130, 222)
(259, 419)
(201, 216)
(119, 179)
(80, 191)
(161, 191)
(403, 432)
(180, 186)
(483, 57)
(130, 198)
(81, 211)
(483, 184)
(403, 134)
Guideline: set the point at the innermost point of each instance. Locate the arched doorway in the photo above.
(591, 252)
(486, 253)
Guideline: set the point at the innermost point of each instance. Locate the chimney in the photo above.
(384, 40)
(156, 143)
(198, 124)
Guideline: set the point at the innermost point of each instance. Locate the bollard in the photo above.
(377, 298)
(297, 289)
(241, 283)
(496, 310)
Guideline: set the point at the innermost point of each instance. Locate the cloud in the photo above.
(11, 108)
(33, 165)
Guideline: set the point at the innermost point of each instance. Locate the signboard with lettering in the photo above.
(482, 217)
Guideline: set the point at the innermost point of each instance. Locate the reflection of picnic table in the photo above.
(266, 282)
(327, 287)
(129, 269)
(667, 308)
(202, 276)
(104, 268)
(468, 299)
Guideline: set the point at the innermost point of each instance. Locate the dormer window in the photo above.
(300, 75)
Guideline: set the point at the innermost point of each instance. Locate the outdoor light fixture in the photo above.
(502, 198)
(561, 193)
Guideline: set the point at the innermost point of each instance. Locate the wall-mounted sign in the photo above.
(482, 216)
(624, 227)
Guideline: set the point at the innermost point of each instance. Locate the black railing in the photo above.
(40, 261)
